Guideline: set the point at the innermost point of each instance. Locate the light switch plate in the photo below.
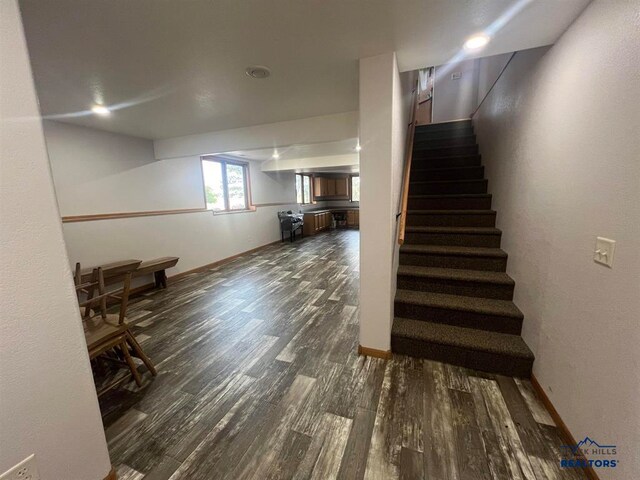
(456, 75)
(604, 251)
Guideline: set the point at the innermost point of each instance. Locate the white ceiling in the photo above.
(177, 67)
(326, 149)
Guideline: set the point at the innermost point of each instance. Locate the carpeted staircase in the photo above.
(454, 299)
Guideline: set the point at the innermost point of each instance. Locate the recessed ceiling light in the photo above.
(476, 42)
(275, 155)
(100, 110)
(258, 71)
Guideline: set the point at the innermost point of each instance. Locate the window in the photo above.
(355, 188)
(303, 188)
(225, 185)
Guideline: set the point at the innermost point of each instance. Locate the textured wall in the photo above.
(383, 124)
(559, 136)
(48, 404)
(100, 172)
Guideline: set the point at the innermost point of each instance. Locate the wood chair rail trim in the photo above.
(114, 216)
(562, 427)
(153, 213)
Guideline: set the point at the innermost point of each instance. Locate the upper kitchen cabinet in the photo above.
(331, 188)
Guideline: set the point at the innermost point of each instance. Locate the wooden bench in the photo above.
(157, 266)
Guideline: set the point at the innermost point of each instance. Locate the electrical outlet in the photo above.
(25, 470)
(456, 75)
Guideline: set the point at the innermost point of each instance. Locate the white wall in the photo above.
(559, 138)
(455, 99)
(311, 163)
(326, 128)
(48, 404)
(99, 172)
(489, 69)
(383, 126)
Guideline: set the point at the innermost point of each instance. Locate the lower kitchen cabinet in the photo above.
(353, 218)
(315, 222)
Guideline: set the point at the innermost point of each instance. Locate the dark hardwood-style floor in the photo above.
(259, 378)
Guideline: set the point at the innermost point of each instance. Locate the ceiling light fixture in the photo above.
(476, 42)
(100, 110)
(275, 155)
(258, 71)
(358, 147)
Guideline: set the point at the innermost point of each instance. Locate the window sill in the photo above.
(230, 212)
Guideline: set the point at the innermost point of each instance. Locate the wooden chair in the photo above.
(105, 332)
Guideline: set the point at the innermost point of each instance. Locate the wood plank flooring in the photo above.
(259, 379)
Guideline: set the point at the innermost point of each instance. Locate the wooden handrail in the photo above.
(407, 167)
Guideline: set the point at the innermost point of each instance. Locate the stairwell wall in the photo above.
(559, 139)
(48, 403)
(384, 117)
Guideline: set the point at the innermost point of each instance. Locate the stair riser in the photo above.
(446, 162)
(444, 142)
(444, 127)
(473, 173)
(453, 220)
(490, 264)
(458, 318)
(445, 151)
(422, 137)
(452, 188)
(456, 287)
(483, 203)
(458, 240)
(476, 360)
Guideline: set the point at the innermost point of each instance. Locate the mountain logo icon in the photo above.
(586, 443)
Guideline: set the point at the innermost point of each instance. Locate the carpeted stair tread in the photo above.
(457, 274)
(434, 159)
(487, 306)
(444, 169)
(453, 250)
(454, 230)
(426, 147)
(426, 161)
(453, 124)
(447, 196)
(451, 212)
(450, 182)
(465, 136)
(467, 338)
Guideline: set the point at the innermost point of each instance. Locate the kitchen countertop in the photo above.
(331, 209)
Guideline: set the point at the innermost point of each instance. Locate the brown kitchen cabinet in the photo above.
(319, 187)
(315, 222)
(353, 218)
(331, 188)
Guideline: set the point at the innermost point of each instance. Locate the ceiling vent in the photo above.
(258, 72)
